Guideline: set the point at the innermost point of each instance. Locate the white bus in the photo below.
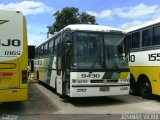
(144, 45)
(84, 61)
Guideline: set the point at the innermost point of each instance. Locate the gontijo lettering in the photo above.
(9, 42)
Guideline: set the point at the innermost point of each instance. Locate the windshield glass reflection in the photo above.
(115, 58)
(88, 50)
(98, 51)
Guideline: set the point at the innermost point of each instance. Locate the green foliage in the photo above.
(70, 15)
(86, 18)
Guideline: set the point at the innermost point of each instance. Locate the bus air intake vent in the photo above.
(96, 81)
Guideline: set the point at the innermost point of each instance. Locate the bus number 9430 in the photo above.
(90, 75)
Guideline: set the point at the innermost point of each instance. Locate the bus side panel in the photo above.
(156, 80)
(48, 73)
(53, 74)
(45, 68)
(43, 71)
(23, 60)
(142, 64)
(40, 69)
(137, 71)
(149, 72)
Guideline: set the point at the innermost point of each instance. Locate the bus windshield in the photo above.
(115, 57)
(98, 51)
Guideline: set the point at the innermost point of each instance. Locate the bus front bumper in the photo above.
(95, 91)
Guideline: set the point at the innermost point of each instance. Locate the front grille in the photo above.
(104, 81)
(111, 81)
(96, 81)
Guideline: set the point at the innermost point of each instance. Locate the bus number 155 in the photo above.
(154, 57)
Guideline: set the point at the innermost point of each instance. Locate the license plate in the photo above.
(104, 88)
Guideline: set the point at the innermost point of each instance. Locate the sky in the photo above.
(121, 14)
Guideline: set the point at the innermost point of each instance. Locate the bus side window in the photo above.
(41, 50)
(56, 41)
(136, 40)
(127, 43)
(69, 52)
(50, 51)
(146, 37)
(156, 36)
(37, 52)
(45, 50)
(66, 36)
(120, 50)
(59, 59)
(58, 50)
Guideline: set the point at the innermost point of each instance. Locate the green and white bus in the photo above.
(84, 61)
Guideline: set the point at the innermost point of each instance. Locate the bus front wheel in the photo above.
(38, 77)
(145, 89)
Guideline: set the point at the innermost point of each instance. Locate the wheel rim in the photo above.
(145, 88)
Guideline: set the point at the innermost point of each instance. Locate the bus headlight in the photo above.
(79, 81)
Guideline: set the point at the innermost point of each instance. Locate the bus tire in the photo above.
(38, 77)
(133, 87)
(145, 89)
(55, 86)
(64, 96)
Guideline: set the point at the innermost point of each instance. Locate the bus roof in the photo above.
(86, 27)
(150, 23)
(11, 11)
(91, 27)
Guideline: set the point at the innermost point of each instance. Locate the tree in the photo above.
(86, 18)
(70, 15)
